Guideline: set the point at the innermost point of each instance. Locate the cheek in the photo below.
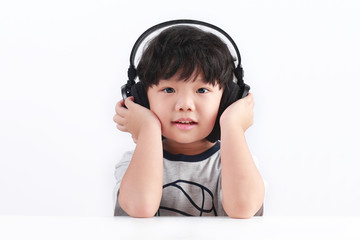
(215, 104)
(214, 114)
(159, 110)
(154, 103)
(211, 111)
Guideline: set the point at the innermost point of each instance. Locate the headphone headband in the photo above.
(132, 69)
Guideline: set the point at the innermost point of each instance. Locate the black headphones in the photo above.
(231, 94)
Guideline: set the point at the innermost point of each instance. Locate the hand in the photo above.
(240, 113)
(134, 118)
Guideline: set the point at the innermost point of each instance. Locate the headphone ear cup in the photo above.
(230, 95)
(140, 95)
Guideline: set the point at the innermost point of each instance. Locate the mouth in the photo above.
(185, 124)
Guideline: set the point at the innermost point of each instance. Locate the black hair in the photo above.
(186, 50)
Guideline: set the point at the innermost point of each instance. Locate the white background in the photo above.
(62, 64)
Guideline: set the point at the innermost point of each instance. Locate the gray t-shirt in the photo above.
(191, 184)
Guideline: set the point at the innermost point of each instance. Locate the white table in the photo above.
(220, 228)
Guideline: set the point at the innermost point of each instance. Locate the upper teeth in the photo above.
(184, 121)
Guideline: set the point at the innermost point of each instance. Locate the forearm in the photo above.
(242, 184)
(141, 187)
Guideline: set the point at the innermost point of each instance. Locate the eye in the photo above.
(168, 90)
(202, 90)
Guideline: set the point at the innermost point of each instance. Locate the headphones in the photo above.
(231, 94)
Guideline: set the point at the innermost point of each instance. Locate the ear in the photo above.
(140, 95)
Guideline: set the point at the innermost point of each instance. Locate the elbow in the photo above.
(142, 212)
(240, 214)
(139, 209)
(244, 205)
(241, 210)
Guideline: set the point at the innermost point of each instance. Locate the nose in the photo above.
(185, 102)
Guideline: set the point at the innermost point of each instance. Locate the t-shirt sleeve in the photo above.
(120, 169)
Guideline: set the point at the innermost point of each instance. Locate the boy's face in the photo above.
(187, 110)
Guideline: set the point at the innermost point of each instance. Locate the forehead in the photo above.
(195, 77)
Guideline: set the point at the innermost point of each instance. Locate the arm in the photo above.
(242, 184)
(141, 187)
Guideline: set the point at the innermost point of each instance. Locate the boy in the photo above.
(175, 169)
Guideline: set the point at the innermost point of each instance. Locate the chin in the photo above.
(184, 139)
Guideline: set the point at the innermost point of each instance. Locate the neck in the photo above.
(193, 148)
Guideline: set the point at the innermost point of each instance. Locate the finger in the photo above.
(129, 101)
(249, 98)
(119, 120)
(121, 128)
(120, 110)
(119, 105)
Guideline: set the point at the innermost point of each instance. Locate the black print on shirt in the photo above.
(176, 189)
